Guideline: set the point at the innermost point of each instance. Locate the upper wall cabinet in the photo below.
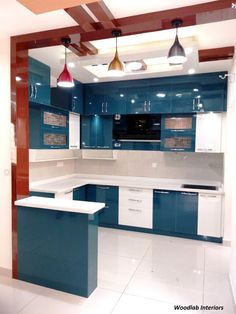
(70, 99)
(179, 94)
(198, 93)
(39, 82)
(105, 98)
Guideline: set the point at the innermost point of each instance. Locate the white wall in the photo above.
(5, 163)
(230, 172)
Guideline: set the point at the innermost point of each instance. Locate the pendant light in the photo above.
(116, 67)
(176, 53)
(65, 79)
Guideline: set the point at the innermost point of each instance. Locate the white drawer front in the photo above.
(135, 210)
(209, 215)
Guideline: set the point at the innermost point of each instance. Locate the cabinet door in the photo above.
(164, 210)
(137, 97)
(183, 94)
(77, 98)
(88, 132)
(210, 215)
(104, 131)
(54, 139)
(39, 82)
(178, 141)
(115, 98)
(79, 194)
(108, 195)
(55, 119)
(94, 99)
(159, 96)
(74, 131)
(208, 132)
(186, 212)
(212, 94)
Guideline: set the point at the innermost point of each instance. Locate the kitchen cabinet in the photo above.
(79, 193)
(210, 215)
(70, 99)
(178, 133)
(39, 82)
(136, 145)
(135, 207)
(74, 131)
(96, 132)
(186, 212)
(164, 210)
(208, 132)
(105, 98)
(175, 212)
(108, 195)
(48, 129)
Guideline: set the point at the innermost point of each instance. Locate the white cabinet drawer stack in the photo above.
(135, 207)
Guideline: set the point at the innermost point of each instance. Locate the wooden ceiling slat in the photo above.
(103, 14)
(82, 18)
(216, 54)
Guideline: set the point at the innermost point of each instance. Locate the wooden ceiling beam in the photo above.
(103, 14)
(84, 20)
(216, 54)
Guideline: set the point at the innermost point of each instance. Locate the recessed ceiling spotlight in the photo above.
(96, 79)
(18, 78)
(71, 65)
(188, 50)
(191, 71)
(196, 90)
(161, 95)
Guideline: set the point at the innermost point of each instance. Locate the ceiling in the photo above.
(143, 46)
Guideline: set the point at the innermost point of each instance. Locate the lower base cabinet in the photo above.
(175, 211)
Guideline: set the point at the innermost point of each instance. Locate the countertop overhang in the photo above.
(60, 205)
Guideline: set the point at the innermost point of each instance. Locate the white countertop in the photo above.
(60, 205)
(67, 183)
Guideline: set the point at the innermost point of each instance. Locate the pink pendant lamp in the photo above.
(65, 79)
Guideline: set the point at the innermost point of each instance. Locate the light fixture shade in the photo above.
(116, 67)
(176, 53)
(65, 79)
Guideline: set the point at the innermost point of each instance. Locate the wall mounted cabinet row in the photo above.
(180, 213)
(179, 94)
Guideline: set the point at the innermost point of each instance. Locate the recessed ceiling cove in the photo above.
(38, 7)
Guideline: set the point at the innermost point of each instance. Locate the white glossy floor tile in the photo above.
(15, 294)
(131, 304)
(114, 272)
(123, 243)
(217, 259)
(55, 302)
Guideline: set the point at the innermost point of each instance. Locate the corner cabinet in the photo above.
(39, 82)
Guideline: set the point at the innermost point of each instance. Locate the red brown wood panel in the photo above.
(20, 119)
(82, 18)
(215, 54)
(103, 14)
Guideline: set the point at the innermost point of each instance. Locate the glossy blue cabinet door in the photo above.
(108, 195)
(96, 132)
(79, 194)
(94, 99)
(77, 101)
(186, 212)
(164, 210)
(212, 95)
(137, 96)
(159, 95)
(39, 82)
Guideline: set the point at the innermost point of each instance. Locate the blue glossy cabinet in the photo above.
(96, 132)
(108, 195)
(186, 212)
(105, 98)
(164, 208)
(39, 82)
(70, 99)
(80, 193)
(175, 212)
(178, 132)
(49, 128)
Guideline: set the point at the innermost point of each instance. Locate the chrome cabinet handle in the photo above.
(188, 193)
(31, 91)
(135, 190)
(106, 106)
(145, 106)
(208, 196)
(178, 149)
(149, 105)
(104, 187)
(135, 210)
(73, 146)
(134, 200)
(161, 192)
(193, 104)
(35, 91)
(102, 106)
